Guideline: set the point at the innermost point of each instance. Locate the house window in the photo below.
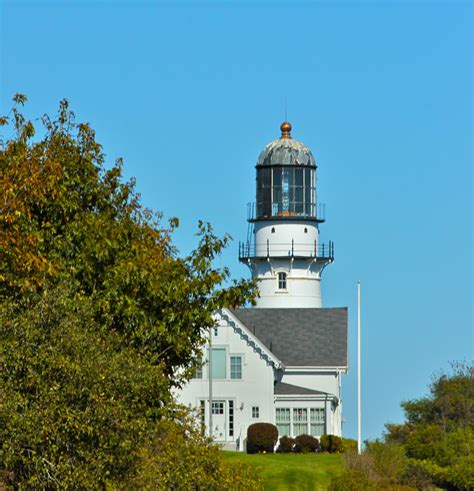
(283, 420)
(218, 407)
(236, 367)
(255, 412)
(198, 371)
(282, 281)
(231, 418)
(300, 421)
(202, 414)
(218, 363)
(317, 421)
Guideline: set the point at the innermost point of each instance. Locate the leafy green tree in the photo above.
(434, 446)
(64, 214)
(74, 402)
(100, 318)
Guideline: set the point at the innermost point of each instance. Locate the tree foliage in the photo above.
(74, 402)
(100, 316)
(434, 446)
(177, 457)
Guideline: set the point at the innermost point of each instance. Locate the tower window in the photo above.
(282, 281)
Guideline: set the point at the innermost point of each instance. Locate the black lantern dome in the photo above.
(286, 179)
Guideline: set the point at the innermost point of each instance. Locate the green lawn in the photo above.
(306, 472)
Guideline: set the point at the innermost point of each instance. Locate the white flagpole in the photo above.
(359, 430)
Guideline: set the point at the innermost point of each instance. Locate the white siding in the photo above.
(254, 389)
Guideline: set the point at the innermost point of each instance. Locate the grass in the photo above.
(305, 472)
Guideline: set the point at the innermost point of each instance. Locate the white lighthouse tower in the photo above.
(283, 250)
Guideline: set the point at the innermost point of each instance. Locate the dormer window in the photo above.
(282, 281)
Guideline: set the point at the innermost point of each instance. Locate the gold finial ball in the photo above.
(285, 129)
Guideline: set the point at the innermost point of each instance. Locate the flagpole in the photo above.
(359, 426)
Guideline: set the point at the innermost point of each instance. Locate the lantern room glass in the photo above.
(285, 191)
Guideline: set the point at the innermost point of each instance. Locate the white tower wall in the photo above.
(279, 236)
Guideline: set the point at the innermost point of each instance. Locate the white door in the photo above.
(218, 421)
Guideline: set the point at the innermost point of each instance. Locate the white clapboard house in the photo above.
(280, 362)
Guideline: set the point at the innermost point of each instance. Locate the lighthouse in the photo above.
(281, 362)
(283, 250)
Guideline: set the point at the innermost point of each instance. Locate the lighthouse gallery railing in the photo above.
(249, 250)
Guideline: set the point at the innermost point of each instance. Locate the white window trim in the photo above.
(242, 358)
(279, 290)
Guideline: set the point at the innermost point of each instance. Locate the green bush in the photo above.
(416, 475)
(331, 444)
(349, 445)
(352, 480)
(389, 460)
(306, 444)
(461, 474)
(261, 437)
(178, 457)
(286, 444)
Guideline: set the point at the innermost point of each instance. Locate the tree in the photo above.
(434, 446)
(64, 215)
(100, 317)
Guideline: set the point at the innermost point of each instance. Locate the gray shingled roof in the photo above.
(283, 389)
(300, 337)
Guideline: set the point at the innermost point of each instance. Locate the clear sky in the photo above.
(189, 93)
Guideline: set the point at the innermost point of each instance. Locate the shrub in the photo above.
(416, 475)
(178, 457)
(389, 460)
(306, 444)
(331, 443)
(352, 480)
(261, 437)
(349, 445)
(286, 444)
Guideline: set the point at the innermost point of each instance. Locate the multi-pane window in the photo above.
(317, 421)
(218, 363)
(282, 281)
(255, 412)
(217, 407)
(300, 421)
(286, 191)
(231, 418)
(283, 420)
(198, 371)
(235, 367)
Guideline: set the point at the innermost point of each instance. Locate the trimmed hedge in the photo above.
(261, 437)
(306, 444)
(331, 444)
(286, 445)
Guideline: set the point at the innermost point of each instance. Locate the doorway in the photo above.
(219, 421)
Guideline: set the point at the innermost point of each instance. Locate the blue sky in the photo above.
(189, 93)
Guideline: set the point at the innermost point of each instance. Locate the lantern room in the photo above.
(286, 180)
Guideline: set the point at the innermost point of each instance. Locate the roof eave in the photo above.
(315, 368)
(230, 316)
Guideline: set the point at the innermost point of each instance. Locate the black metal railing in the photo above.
(312, 211)
(323, 252)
